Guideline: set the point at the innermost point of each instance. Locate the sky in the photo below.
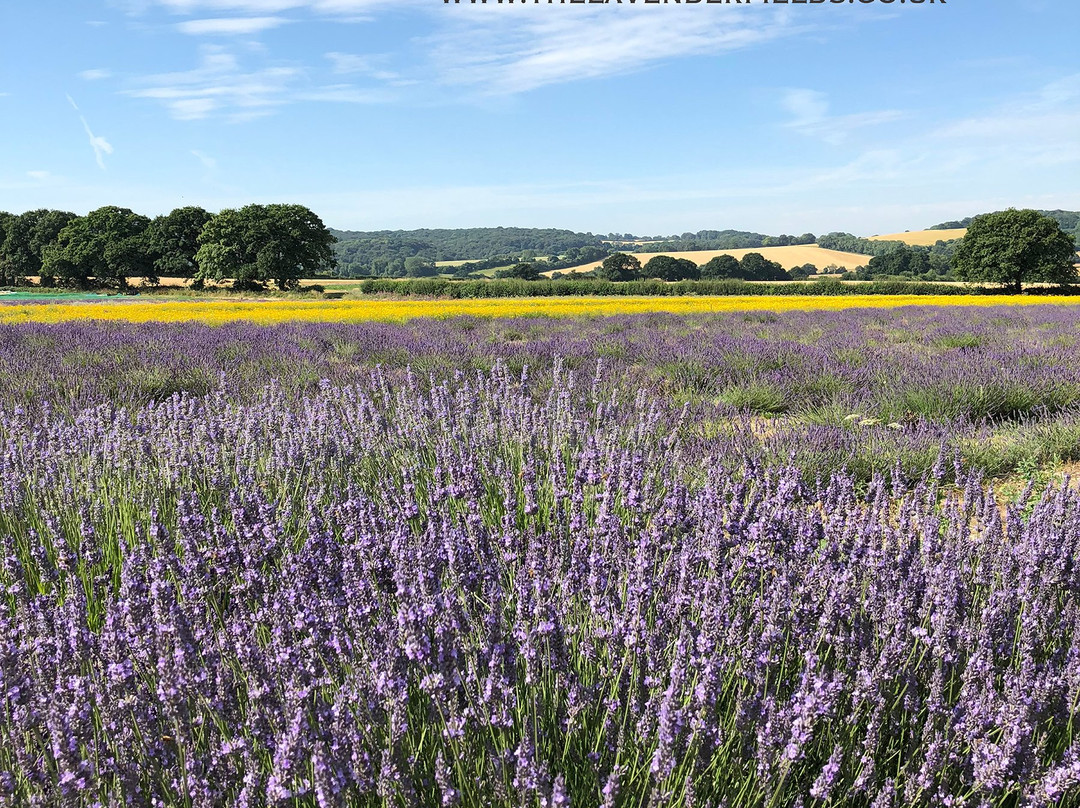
(866, 117)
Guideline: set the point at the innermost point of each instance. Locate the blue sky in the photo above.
(652, 119)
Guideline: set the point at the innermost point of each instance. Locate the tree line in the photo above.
(249, 246)
(386, 253)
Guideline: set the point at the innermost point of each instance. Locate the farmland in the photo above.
(720, 557)
(286, 310)
(923, 238)
(787, 257)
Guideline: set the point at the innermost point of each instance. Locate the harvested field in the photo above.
(922, 238)
(787, 257)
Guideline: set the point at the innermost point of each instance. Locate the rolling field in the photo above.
(277, 311)
(760, 559)
(922, 238)
(787, 257)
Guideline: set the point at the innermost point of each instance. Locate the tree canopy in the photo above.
(256, 244)
(107, 245)
(524, 271)
(721, 267)
(756, 267)
(620, 267)
(669, 268)
(23, 239)
(1014, 247)
(173, 241)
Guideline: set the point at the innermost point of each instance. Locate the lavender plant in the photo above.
(496, 586)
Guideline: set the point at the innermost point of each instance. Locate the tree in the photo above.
(522, 271)
(6, 220)
(803, 272)
(419, 266)
(721, 267)
(1013, 247)
(620, 267)
(260, 243)
(25, 238)
(667, 268)
(756, 267)
(173, 240)
(903, 261)
(107, 245)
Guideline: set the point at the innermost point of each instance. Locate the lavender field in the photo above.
(654, 560)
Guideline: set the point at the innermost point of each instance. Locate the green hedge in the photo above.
(441, 287)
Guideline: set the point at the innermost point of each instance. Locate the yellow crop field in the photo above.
(268, 312)
(787, 257)
(922, 238)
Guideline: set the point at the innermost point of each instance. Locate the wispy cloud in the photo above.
(40, 176)
(505, 53)
(344, 64)
(95, 75)
(1038, 128)
(221, 86)
(810, 116)
(230, 26)
(100, 145)
(347, 8)
(208, 162)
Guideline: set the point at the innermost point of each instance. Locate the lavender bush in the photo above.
(481, 585)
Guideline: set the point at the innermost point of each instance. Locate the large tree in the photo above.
(721, 267)
(669, 268)
(620, 267)
(1014, 247)
(6, 220)
(260, 243)
(173, 240)
(756, 267)
(524, 271)
(107, 246)
(24, 240)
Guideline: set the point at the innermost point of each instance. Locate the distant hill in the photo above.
(384, 252)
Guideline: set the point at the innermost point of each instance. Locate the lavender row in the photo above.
(865, 391)
(505, 589)
(937, 362)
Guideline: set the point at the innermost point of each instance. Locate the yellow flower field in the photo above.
(275, 311)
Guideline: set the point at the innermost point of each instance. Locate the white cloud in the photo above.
(328, 7)
(209, 163)
(810, 116)
(100, 145)
(40, 176)
(230, 26)
(357, 64)
(502, 53)
(1035, 129)
(350, 63)
(95, 75)
(343, 93)
(219, 84)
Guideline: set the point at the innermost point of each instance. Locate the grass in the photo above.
(277, 311)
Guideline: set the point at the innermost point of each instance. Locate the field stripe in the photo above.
(268, 312)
